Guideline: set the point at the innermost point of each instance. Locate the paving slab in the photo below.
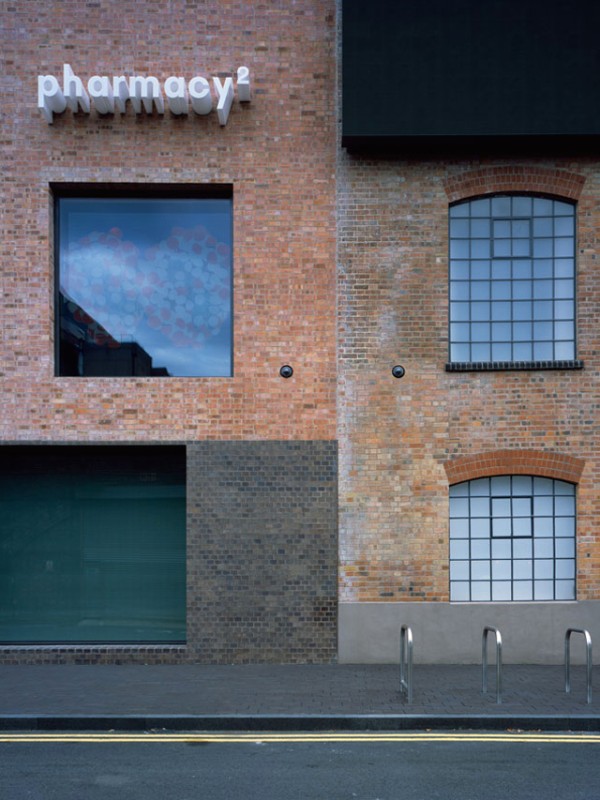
(241, 695)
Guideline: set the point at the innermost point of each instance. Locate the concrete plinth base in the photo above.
(451, 633)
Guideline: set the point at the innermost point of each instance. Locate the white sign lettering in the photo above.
(145, 94)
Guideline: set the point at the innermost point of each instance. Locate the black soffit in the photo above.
(521, 74)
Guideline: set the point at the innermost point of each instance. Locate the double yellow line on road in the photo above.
(155, 737)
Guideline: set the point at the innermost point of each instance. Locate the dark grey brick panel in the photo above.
(262, 551)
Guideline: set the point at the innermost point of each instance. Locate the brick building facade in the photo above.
(261, 529)
(458, 481)
(404, 442)
(272, 518)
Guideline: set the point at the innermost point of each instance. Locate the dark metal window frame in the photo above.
(474, 542)
(528, 283)
(511, 517)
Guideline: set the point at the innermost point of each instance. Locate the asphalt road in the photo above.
(404, 766)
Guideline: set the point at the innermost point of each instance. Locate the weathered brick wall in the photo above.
(398, 437)
(278, 151)
(262, 552)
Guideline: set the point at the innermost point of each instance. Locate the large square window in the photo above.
(144, 283)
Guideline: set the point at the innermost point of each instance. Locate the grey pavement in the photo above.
(254, 697)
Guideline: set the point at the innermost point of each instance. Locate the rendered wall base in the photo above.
(448, 633)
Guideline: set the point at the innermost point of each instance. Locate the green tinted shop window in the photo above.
(144, 285)
(92, 544)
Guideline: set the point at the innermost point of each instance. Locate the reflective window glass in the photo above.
(93, 544)
(144, 286)
(518, 535)
(521, 252)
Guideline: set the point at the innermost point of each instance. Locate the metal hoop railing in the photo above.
(588, 647)
(484, 662)
(406, 662)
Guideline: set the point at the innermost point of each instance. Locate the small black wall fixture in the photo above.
(286, 371)
(398, 371)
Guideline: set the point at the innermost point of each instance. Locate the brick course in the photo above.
(515, 462)
(514, 178)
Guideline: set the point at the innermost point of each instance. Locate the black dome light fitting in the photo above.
(286, 371)
(398, 371)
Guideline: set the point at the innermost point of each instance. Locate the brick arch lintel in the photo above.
(514, 462)
(518, 178)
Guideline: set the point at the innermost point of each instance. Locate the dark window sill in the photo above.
(503, 366)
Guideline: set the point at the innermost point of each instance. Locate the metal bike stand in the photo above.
(588, 647)
(406, 662)
(484, 662)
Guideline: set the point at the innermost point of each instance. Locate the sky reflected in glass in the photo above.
(149, 277)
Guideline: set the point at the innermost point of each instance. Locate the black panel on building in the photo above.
(439, 74)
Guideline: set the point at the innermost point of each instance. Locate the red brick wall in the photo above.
(403, 441)
(514, 462)
(279, 153)
(514, 178)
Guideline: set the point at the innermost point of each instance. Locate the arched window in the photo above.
(512, 280)
(512, 537)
